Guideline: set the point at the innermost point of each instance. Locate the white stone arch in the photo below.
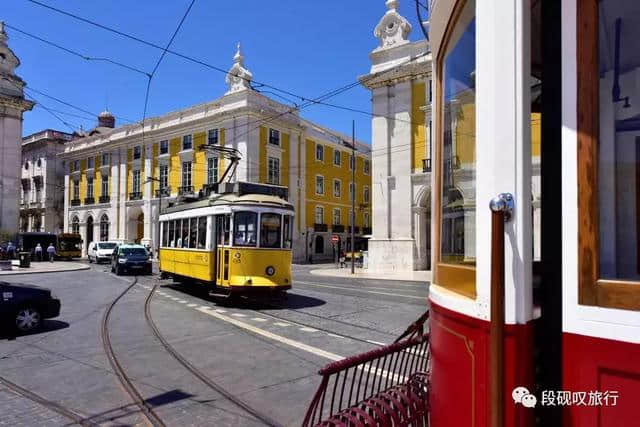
(132, 230)
(422, 227)
(422, 197)
(86, 215)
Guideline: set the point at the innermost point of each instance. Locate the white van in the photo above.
(101, 251)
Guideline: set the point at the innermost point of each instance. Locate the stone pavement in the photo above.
(411, 276)
(44, 267)
(18, 411)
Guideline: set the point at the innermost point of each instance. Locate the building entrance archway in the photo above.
(89, 234)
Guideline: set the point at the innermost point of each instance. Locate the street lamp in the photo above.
(160, 192)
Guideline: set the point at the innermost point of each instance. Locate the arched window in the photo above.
(319, 245)
(75, 225)
(104, 228)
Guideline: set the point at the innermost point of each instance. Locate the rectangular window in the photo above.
(608, 170)
(89, 187)
(76, 189)
(90, 161)
(287, 231)
(164, 177)
(76, 165)
(367, 167)
(336, 217)
(212, 137)
(184, 240)
(172, 226)
(351, 192)
(270, 230)
(337, 157)
(186, 174)
(212, 170)
(104, 190)
(193, 233)
(165, 234)
(274, 137)
(164, 147)
(365, 194)
(320, 152)
(136, 181)
(202, 232)
(350, 218)
(352, 162)
(337, 188)
(106, 159)
(244, 228)
(365, 217)
(187, 142)
(273, 176)
(319, 215)
(137, 152)
(319, 185)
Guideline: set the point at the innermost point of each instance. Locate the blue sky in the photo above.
(307, 47)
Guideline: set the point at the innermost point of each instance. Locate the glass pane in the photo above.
(185, 233)
(619, 142)
(244, 228)
(172, 226)
(288, 231)
(270, 230)
(458, 143)
(193, 233)
(202, 232)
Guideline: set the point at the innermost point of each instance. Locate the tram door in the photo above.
(221, 249)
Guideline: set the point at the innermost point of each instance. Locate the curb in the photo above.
(326, 272)
(16, 272)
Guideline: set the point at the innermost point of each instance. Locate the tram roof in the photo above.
(261, 200)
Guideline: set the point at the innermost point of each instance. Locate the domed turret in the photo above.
(106, 120)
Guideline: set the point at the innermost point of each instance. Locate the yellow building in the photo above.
(109, 196)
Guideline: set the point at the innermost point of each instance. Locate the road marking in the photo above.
(192, 305)
(259, 319)
(306, 329)
(297, 344)
(239, 315)
(221, 311)
(423, 298)
(375, 342)
(182, 301)
(364, 288)
(282, 324)
(204, 307)
(334, 335)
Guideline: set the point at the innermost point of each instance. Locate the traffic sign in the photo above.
(335, 238)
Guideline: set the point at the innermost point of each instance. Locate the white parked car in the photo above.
(101, 251)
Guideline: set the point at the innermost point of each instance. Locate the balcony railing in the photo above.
(185, 189)
(136, 195)
(366, 230)
(89, 200)
(104, 199)
(162, 191)
(337, 228)
(75, 202)
(320, 227)
(426, 165)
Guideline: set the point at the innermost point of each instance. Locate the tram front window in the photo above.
(458, 153)
(288, 231)
(244, 229)
(270, 227)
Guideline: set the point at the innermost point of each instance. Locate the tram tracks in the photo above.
(53, 406)
(196, 372)
(127, 384)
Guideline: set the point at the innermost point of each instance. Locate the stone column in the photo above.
(122, 194)
(149, 220)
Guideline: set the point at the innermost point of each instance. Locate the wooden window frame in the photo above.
(460, 279)
(592, 290)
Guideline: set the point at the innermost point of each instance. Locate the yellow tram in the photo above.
(237, 239)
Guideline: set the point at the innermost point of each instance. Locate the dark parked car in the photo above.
(133, 258)
(23, 307)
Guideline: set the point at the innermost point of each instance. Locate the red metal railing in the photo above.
(387, 386)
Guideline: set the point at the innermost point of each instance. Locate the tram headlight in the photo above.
(270, 271)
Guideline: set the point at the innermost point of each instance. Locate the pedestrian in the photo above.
(51, 251)
(343, 259)
(38, 252)
(11, 251)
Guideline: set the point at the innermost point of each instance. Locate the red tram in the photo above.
(535, 300)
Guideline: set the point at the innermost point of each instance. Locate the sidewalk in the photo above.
(410, 276)
(44, 267)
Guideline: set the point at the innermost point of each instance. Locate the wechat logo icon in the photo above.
(522, 396)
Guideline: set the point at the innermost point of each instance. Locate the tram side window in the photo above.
(172, 229)
(270, 230)
(165, 233)
(244, 228)
(202, 232)
(288, 231)
(185, 233)
(193, 233)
